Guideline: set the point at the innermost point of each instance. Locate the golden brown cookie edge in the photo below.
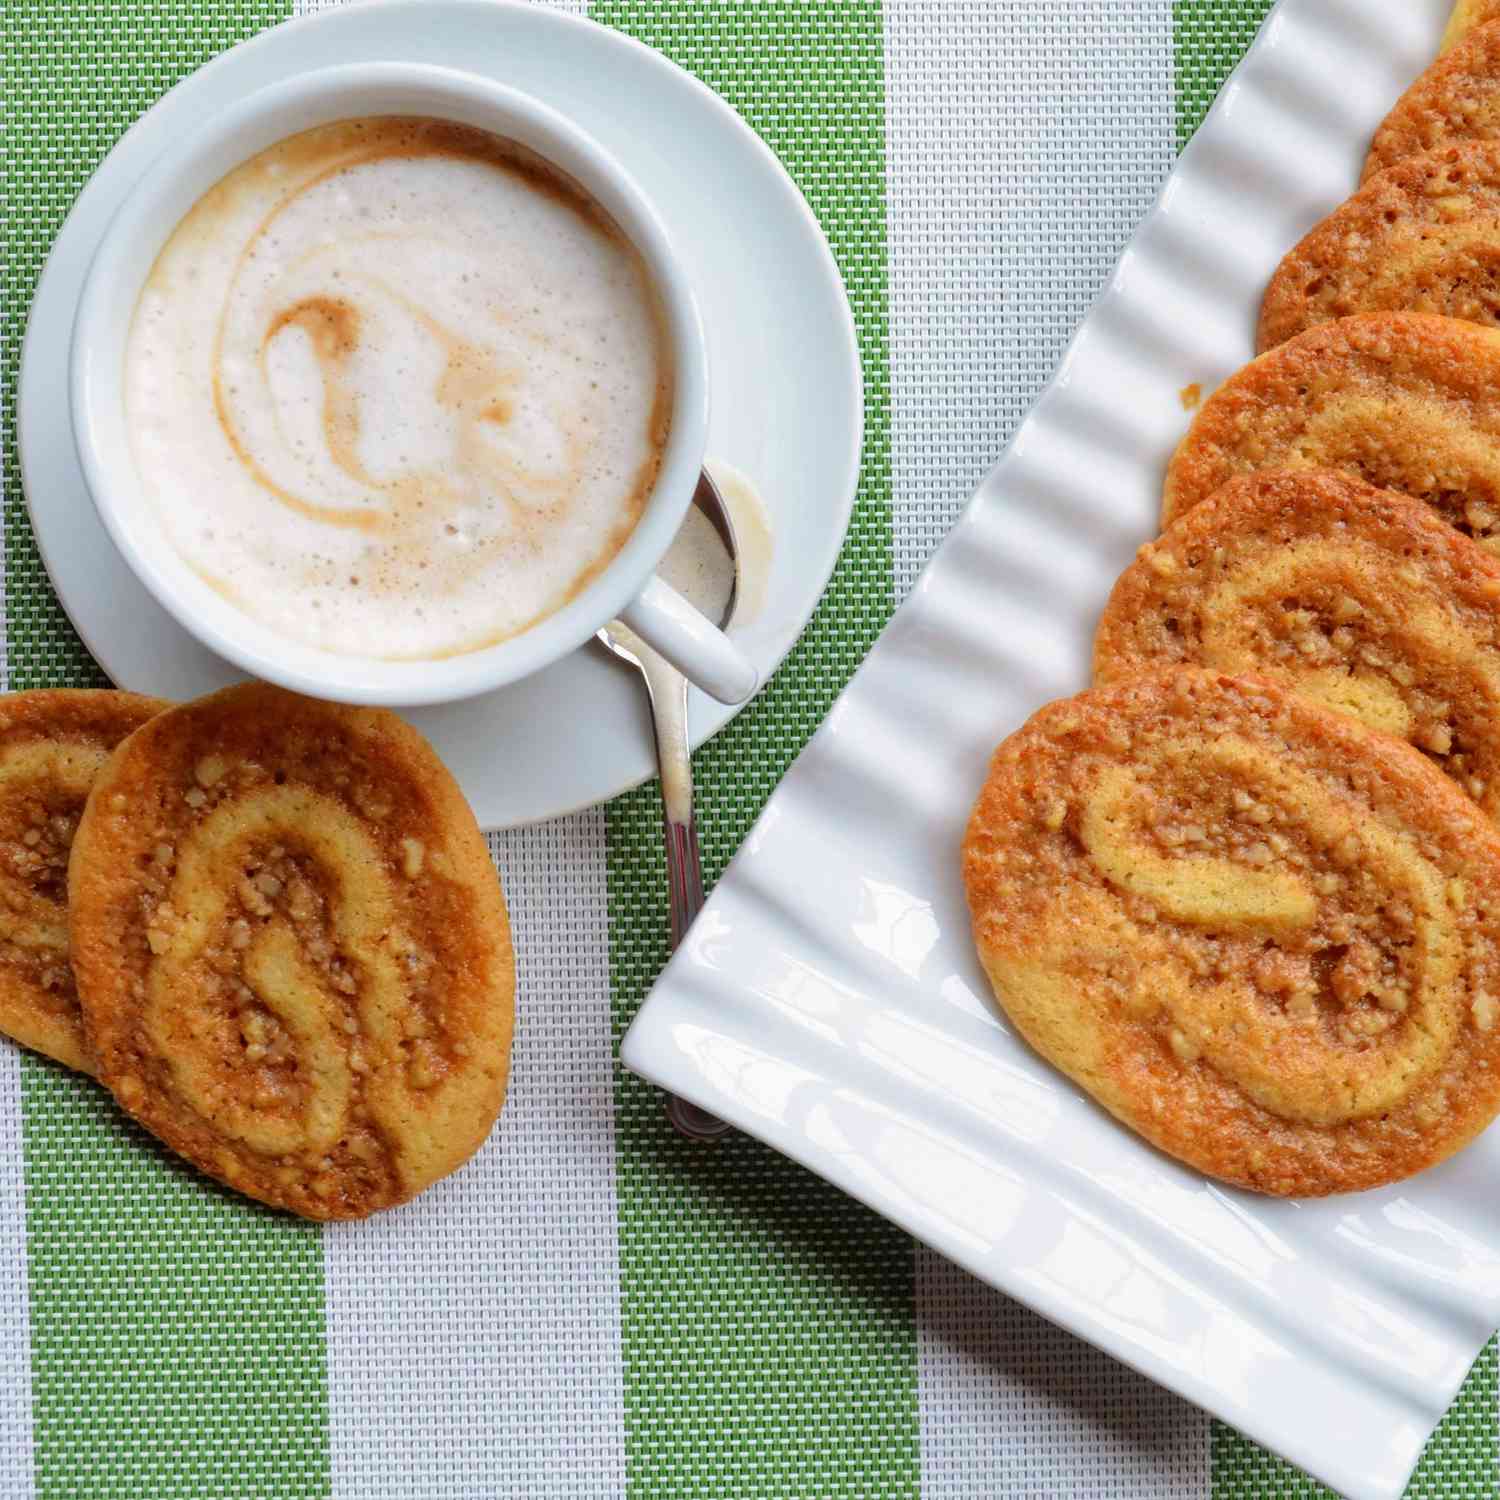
(1394, 760)
(100, 881)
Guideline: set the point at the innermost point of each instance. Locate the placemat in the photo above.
(593, 1308)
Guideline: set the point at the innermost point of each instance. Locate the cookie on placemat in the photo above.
(52, 744)
(1406, 401)
(1456, 99)
(1261, 935)
(1361, 598)
(293, 955)
(1421, 237)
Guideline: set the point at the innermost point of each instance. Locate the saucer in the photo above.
(784, 374)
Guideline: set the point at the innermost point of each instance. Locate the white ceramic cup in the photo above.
(626, 588)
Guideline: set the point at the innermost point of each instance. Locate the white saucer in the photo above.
(787, 391)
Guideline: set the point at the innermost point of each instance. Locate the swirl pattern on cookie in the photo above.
(1261, 935)
(1360, 598)
(293, 955)
(1404, 401)
(52, 744)
(1421, 237)
(1456, 99)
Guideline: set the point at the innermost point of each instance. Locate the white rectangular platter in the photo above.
(829, 1000)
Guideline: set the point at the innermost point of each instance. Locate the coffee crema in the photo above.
(396, 388)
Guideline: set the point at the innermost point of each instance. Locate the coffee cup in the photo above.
(624, 585)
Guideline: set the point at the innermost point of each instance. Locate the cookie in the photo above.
(1421, 237)
(52, 744)
(1456, 99)
(1258, 933)
(1405, 401)
(1467, 14)
(292, 951)
(1360, 598)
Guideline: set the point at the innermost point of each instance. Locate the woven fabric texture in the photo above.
(474, 1334)
(778, 1311)
(590, 1309)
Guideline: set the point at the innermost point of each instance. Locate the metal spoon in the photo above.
(667, 690)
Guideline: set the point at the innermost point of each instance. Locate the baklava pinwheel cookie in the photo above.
(1404, 401)
(1361, 598)
(1467, 14)
(1456, 99)
(292, 950)
(52, 745)
(1421, 237)
(1260, 934)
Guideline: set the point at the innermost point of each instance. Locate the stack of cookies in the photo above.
(1246, 890)
(270, 926)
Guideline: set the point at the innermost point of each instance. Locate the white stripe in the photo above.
(15, 1319)
(474, 1336)
(15, 1325)
(1025, 140)
(1010, 1405)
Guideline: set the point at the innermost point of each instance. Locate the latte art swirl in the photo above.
(1257, 933)
(420, 377)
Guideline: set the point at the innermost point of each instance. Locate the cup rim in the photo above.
(95, 377)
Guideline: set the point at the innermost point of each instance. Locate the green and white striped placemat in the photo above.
(591, 1309)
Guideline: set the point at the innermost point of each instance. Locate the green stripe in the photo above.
(1210, 37)
(1462, 1462)
(767, 1320)
(177, 1342)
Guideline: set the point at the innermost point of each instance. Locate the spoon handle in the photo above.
(684, 875)
(684, 862)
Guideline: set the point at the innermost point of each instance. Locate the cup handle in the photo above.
(700, 651)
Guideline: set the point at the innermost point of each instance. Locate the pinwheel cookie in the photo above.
(1260, 934)
(1456, 99)
(1405, 401)
(52, 744)
(1421, 237)
(1358, 597)
(292, 951)
(1467, 14)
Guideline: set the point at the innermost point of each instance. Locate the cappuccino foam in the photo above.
(396, 389)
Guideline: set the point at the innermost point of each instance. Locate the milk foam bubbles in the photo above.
(396, 391)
